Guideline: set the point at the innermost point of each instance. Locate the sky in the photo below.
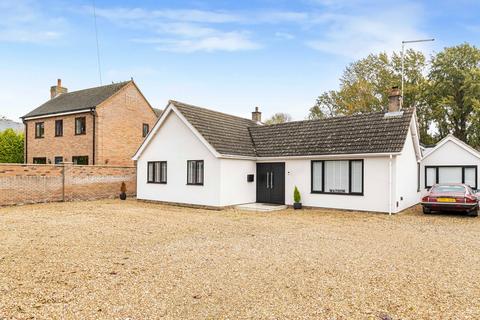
(229, 56)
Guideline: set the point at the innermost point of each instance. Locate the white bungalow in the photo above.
(197, 156)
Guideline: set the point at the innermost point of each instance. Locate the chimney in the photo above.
(256, 115)
(394, 100)
(57, 90)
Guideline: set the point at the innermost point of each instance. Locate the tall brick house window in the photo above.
(58, 128)
(40, 160)
(80, 125)
(39, 130)
(146, 129)
(80, 160)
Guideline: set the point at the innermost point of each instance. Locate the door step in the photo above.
(264, 207)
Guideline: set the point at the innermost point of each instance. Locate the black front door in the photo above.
(271, 183)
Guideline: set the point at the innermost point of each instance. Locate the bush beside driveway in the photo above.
(111, 259)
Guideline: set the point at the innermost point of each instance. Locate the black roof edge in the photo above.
(54, 113)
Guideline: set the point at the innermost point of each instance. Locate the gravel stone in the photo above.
(114, 259)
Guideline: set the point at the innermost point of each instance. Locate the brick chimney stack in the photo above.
(57, 90)
(394, 100)
(257, 115)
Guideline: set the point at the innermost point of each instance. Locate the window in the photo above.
(451, 174)
(58, 128)
(40, 160)
(80, 160)
(195, 172)
(58, 160)
(39, 130)
(157, 172)
(337, 177)
(146, 129)
(80, 126)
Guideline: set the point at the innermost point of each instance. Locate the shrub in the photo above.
(296, 195)
(11, 147)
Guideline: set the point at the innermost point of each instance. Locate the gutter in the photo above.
(317, 156)
(92, 110)
(49, 115)
(25, 153)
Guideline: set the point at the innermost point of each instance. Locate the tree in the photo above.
(279, 118)
(455, 92)
(447, 96)
(11, 147)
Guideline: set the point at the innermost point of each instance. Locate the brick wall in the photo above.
(120, 122)
(66, 146)
(29, 183)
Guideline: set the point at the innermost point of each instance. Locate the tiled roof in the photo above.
(364, 133)
(77, 100)
(226, 133)
(357, 134)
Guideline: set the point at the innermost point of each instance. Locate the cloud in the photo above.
(208, 40)
(359, 34)
(183, 31)
(23, 21)
(284, 35)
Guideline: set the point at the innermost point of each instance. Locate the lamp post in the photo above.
(403, 54)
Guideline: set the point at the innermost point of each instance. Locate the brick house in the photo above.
(101, 125)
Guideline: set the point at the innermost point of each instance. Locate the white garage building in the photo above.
(450, 161)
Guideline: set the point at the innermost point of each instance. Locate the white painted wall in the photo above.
(448, 154)
(406, 177)
(375, 198)
(234, 188)
(176, 143)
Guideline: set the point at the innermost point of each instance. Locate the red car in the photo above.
(451, 197)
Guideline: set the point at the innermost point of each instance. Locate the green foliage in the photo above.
(455, 92)
(11, 147)
(446, 95)
(279, 118)
(296, 195)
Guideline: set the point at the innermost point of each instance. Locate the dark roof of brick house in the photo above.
(357, 134)
(158, 112)
(77, 100)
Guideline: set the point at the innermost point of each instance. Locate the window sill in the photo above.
(39, 137)
(151, 182)
(337, 193)
(80, 134)
(194, 184)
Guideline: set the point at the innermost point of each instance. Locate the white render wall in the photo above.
(375, 195)
(176, 143)
(406, 179)
(234, 188)
(449, 154)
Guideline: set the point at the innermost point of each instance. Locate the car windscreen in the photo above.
(453, 189)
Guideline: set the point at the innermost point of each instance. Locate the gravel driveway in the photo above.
(133, 260)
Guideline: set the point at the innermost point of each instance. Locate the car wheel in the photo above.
(427, 210)
(473, 213)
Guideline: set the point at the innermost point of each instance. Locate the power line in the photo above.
(96, 38)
